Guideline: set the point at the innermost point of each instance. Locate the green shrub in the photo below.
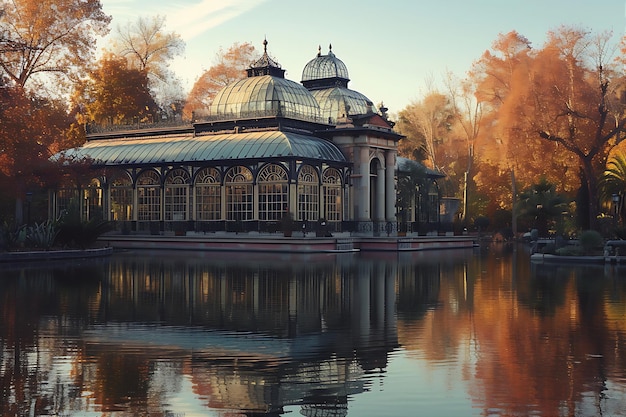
(42, 235)
(81, 234)
(12, 236)
(590, 241)
(570, 250)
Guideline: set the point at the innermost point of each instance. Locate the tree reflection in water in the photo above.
(186, 333)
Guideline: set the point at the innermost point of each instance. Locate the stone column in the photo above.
(363, 188)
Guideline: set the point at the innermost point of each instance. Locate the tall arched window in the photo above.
(176, 195)
(308, 194)
(148, 196)
(272, 183)
(92, 196)
(121, 190)
(332, 184)
(238, 184)
(208, 195)
(67, 198)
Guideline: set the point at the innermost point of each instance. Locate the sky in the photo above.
(393, 49)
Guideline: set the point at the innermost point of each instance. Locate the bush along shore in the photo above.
(66, 232)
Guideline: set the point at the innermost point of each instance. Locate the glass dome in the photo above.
(264, 96)
(340, 102)
(325, 67)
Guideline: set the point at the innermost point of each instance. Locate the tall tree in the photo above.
(559, 101)
(148, 47)
(229, 66)
(31, 130)
(115, 94)
(581, 111)
(489, 83)
(431, 119)
(49, 39)
(467, 111)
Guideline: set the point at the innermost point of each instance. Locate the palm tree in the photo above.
(613, 182)
(542, 204)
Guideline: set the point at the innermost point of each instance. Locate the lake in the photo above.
(479, 332)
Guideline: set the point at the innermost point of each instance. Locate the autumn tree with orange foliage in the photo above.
(44, 47)
(149, 48)
(52, 41)
(230, 66)
(31, 131)
(115, 94)
(425, 124)
(551, 112)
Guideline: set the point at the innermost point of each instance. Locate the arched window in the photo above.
(308, 194)
(273, 192)
(67, 197)
(121, 191)
(92, 204)
(433, 203)
(238, 184)
(176, 195)
(148, 196)
(208, 195)
(332, 184)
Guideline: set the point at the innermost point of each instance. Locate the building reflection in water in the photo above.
(249, 337)
(194, 334)
(256, 336)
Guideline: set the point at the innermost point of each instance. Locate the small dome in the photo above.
(264, 96)
(325, 70)
(338, 102)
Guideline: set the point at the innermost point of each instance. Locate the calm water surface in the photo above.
(453, 333)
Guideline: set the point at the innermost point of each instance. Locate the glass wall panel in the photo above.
(65, 197)
(208, 195)
(92, 200)
(332, 195)
(176, 195)
(273, 192)
(238, 184)
(308, 194)
(121, 190)
(148, 196)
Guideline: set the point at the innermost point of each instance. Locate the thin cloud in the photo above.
(194, 20)
(188, 18)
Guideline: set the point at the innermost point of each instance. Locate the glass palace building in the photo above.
(269, 146)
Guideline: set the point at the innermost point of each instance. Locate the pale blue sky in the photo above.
(390, 47)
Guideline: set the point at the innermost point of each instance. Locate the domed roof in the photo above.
(264, 96)
(265, 93)
(340, 102)
(325, 70)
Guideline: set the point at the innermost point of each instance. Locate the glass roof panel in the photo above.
(338, 101)
(325, 66)
(264, 96)
(182, 149)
